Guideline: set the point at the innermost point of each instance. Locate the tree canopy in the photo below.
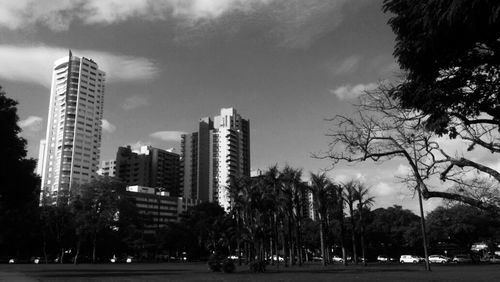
(18, 182)
(450, 50)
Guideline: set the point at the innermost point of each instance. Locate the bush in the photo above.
(258, 266)
(228, 266)
(214, 263)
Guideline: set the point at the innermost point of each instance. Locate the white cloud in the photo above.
(294, 23)
(345, 66)
(136, 147)
(107, 126)
(383, 189)
(40, 59)
(167, 135)
(134, 102)
(32, 123)
(403, 170)
(351, 92)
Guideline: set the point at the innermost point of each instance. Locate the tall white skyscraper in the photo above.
(73, 140)
(210, 157)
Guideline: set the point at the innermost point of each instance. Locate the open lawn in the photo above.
(200, 272)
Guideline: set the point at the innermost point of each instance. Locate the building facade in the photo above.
(219, 151)
(156, 208)
(149, 167)
(73, 138)
(107, 168)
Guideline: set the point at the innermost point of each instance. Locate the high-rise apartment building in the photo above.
(73, 138)
(107, 168)
(210, 157)
(149, 167)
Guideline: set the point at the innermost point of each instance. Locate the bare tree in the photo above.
(381, 129)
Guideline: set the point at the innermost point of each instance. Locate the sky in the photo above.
(286, 65)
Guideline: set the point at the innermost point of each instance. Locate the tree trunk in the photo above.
(94, 243)
(322, 240)
(75, 260)
(299, 241)
(342, 238)
(291, 245)
(62, 255)
(45, 248)
(353, 226)
(284, 246)
(276, 243)
(362, 235)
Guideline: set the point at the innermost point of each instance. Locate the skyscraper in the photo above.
(73, 138)
(210, 157)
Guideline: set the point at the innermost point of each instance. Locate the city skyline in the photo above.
(287, 65)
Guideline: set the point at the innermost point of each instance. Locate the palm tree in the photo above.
(292, 192)
(238, 186)
(364, 201)
(349, 195)
(339, 215)
(321, 188)
(272, 181)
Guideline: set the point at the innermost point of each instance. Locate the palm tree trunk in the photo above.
(94, 247)
(299, 243)
(353, 226)
(75, 260)
(342, 239)
(322, 241)
(291, 244)
(362, 235)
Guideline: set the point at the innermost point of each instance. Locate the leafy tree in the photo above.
(95, 207)
(18, 182)
(451, 54)
(461, 224)
(388, 228)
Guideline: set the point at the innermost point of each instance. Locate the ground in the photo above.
(199, 272)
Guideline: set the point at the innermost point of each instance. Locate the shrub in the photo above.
(228, 266)
(214, 263)
(258, 266)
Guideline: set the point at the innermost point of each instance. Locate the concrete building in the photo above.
(107, 168)
(210, 157)
(156, 207)
(149, 167)
(73, 138)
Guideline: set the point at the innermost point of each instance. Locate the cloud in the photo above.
(351, 92)
(295, 23)
(107, 126)
(403, 170)
(31, 123)
(168, 135)
(134, 102)
(40, 59)
(345, 66)
(383, 189)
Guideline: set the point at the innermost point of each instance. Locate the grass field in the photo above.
(199, 272)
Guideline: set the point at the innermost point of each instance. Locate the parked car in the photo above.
(383, 258)
(315, 258)
(462, 259)
(439, 259)
(494, 259)
(276, 258)
(410, 259)
(337, 259)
